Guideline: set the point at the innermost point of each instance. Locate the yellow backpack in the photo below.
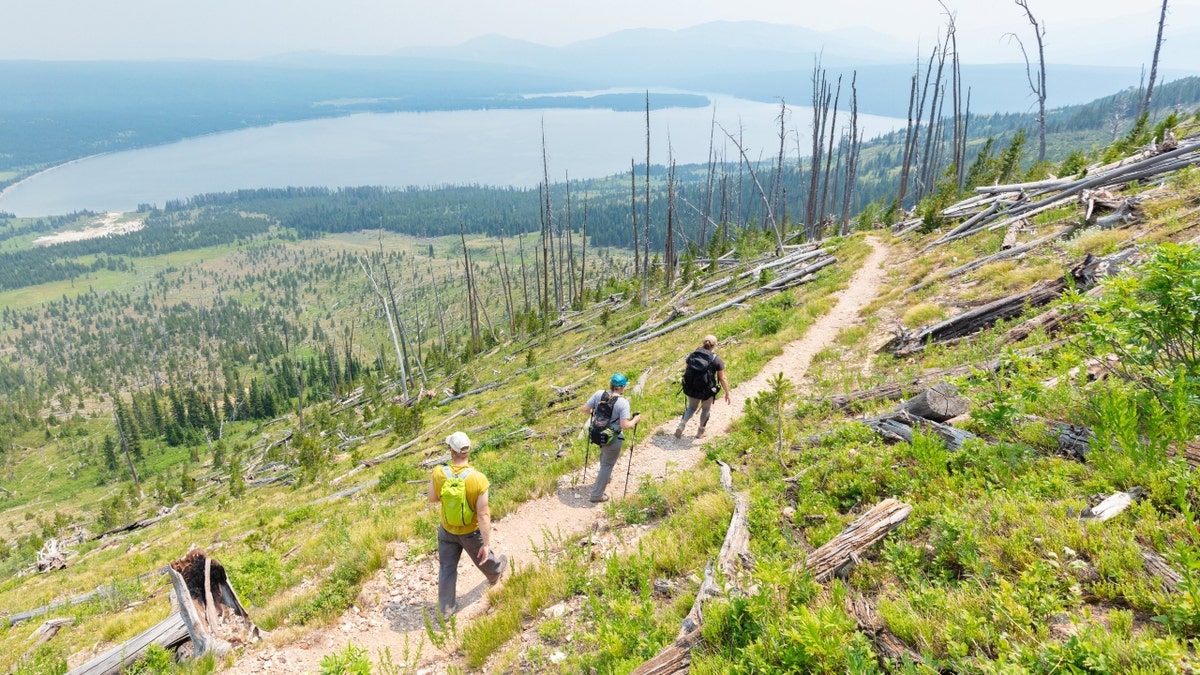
(457, 510)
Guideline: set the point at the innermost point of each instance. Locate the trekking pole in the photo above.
(629, 466)
(587, 449)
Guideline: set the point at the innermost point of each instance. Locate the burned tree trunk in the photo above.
(209, 614)
(898, 427)
(675, 658)
(1082, 276)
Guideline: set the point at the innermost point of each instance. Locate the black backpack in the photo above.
(698, 378)
(600, 432)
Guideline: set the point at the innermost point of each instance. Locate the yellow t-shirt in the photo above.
(477, 484)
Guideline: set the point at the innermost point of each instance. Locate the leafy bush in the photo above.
(1151, 320)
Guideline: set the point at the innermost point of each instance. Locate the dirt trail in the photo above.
(389, 614)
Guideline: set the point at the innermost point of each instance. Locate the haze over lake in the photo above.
(483, 147)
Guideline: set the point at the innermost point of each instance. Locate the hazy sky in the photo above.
(237, 29)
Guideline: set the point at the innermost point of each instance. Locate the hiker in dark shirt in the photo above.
(704, 369)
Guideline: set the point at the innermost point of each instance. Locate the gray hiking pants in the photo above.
(608, 460)
(705, 407)
(450, 549)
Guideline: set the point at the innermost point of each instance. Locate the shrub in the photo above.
(1151, 320)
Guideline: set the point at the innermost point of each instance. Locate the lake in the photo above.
(470, 147)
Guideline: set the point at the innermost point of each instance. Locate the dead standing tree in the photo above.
(762, 193)
(646, 220)
(1144, 107)
(1038, 85)
(370, 272)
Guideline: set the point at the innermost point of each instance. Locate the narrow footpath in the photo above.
(390, 612)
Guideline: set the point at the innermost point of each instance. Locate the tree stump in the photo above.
(937, 403)
(207, 612)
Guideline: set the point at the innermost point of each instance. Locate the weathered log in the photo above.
(378, 459)
(135, 525)
(675, 657)
(891, 649)
(1158, 567)
(781, 283)
(1010, 237)
(840, 553)
(1112, 505)
(46, 632)
(476, 390)
(1189, 451)
(168, 634)
(938, 403)
(1074, 441)
(898, 427)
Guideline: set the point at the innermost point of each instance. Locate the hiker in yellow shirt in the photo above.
(466, 521)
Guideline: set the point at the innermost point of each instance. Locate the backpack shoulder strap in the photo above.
(466, 472)
(448, 471)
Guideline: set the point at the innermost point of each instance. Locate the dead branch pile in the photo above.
(793, 269)
(999, 206)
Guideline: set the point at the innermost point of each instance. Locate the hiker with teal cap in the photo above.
(612, 404)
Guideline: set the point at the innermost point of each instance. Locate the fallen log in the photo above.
(378, 459)
(135, 525)
(839, 554)
(906, 343)
(45, 633)
(898, 390)
(675, 657)
(169, 633)
(778, 284)
(1159, 568)
(891, 649)
(1010, 237)
(1074, 441)
(898, 427)
(980, 262)
(477, 390)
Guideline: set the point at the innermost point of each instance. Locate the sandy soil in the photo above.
(110, 223)
(389, 612)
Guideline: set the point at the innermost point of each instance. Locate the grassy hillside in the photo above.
(993, 571)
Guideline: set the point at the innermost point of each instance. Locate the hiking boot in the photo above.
(699, 432)
(679, 432)
(599, 499)
(500, 572)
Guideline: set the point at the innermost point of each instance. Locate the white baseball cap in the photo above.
(457, 441)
